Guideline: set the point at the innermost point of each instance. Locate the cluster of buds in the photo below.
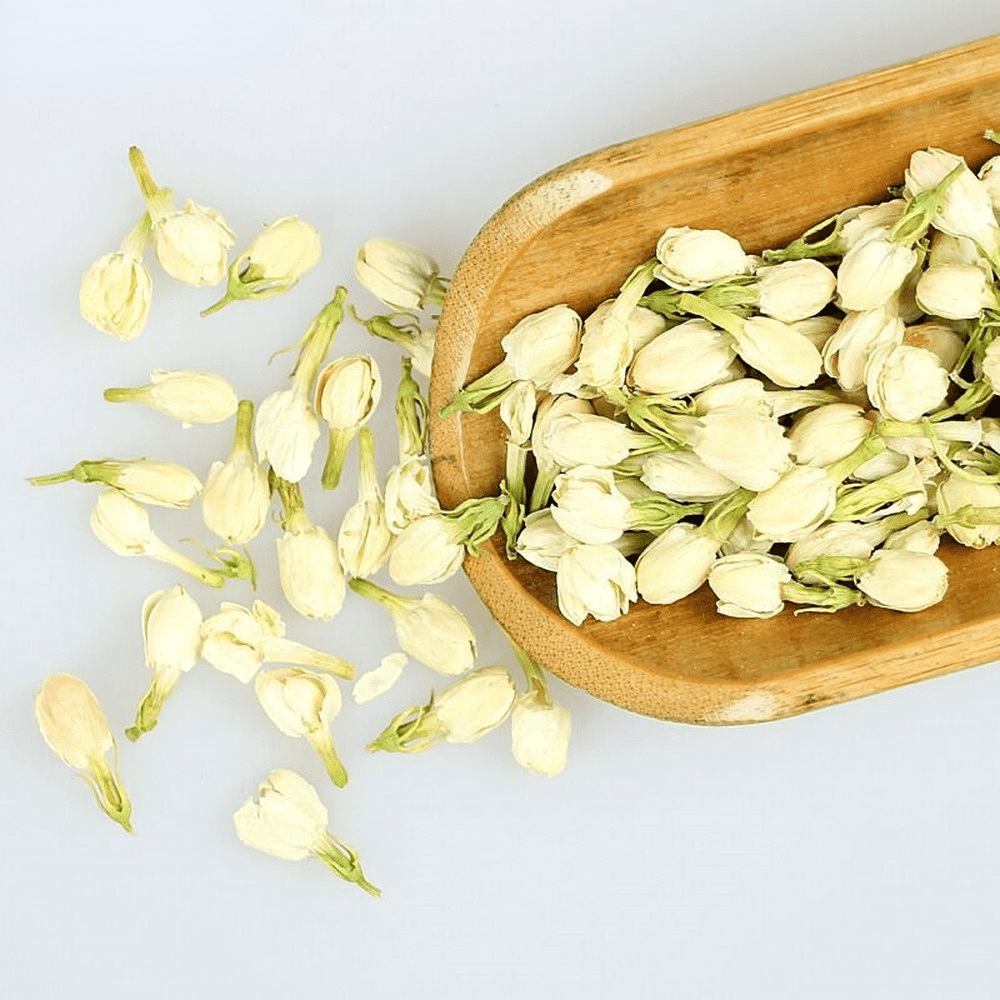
(800, 426)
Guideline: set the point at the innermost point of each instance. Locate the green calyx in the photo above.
(413, 730)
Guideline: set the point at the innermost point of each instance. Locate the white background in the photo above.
(849, 853)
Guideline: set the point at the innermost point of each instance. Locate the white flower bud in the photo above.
(846, 352)
(798, 503)
(121, 524)
(991, 366)
(871, 220)
(956, 291)
(795, 289)
(956, 492)
(541, 541)
(237, 496)
(409, 494)
(683, 476)
(72, 724)
(603, 357)
(748, 585)
(594, 580)
(941, 339)
(517, 411)
(286, 431)
(310, 573)
(742, 444)
(588, 505)
(192, 244)
(905, 382)
(683, 360)
(303, 704)
(425, 552)
(115, 294)
(543, 345)
(398, 274)
(573, 439)
(675, 564)
(285, 250)
(347, 392)
(164, 484)
(919, 537)
(696, 258)
(476, 704)
(539, 734)
(364, 537)
(848, 539)
(188, 396)
(966, 208)
(289, 820)
(903, 580)
(828, 433)
(779, 351)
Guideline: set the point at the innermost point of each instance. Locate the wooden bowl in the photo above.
(764, 174)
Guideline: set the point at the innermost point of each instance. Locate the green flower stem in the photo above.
(336, 454)
(373, 592)
(828, 598)
(158, 200)
(533, 673)
(413, 730)
(134, 243)
(723, 516)
(343, 861)
(545, 479)
(476, 521)
(148, 713)
(322, 743)
(162, 552)
(968, 516)
(871, 446)
(656, 513)
(294, 517)
(108, 792)
(411, 412)
(818, 242)
(315, 345)
(919, 213)
(484, 393)
(248, 281)
(137, 394)
(716, 315)
(436, 291)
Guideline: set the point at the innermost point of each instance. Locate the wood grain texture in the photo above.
(764, 174)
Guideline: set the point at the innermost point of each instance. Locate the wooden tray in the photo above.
(764, 174)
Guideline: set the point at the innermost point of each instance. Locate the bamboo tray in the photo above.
(764, 174)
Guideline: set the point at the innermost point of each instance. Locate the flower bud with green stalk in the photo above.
(123, 526)
(347, 392)
(540, 728)
(75, 728)
(288, 820)
(823, 241)
(428, 628)
(364, 538)
(273, 263)
(164, 484)
(192, 243)
(404, 330)
(411, 411)
(191, 397)
(116, 290)
(287, 425)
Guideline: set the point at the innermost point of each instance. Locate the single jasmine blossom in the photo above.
(537, 349)
(595, 580)
(588, 505)
(428, 628)
(550, 410)
(540, 728)
(192, 244)
(309, 568)
(123, 526)
(956, 291)
(411, 414)
(288, 425)
(846, 352)
(171, 640)
(188, 396)
(409, 493)
(237, 497)
(743, 444)
(116, 289)
(289, 821)
(828, 433)
(683, 360)
(905, 382)
(682, 476)
(163, 484)
(273, 263)
(696, 258)
(541, 541)
(574, 438)
(903, 580)
(347, 392)
(957, 492)
(237, 640)
(748, 585)
(303, 704)
(463, 713)
(74, 727)
(364, 538)
(398, 274)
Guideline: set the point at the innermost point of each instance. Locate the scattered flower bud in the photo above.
(116, 290)
(409, 493)
(794, 290)
(846, 352)
(683, 476)
(748, 585)
(289, 821)
(588, 505)
(237, 496)
(163, 484)
(427, 551)
(303, 704)
(404, 330)
(743, 444)
(541, 541)
(905, 382)
(73, 725)
(594, 580)
(364, 538)
(192, 244)
(188, 396)
(398, 274)
(956, 291)
(171, 639)
(428, 628)
(309, 569)
(347, 392)
(123, 526)
(463, 713)
(683, 360)
(274, 262)
(675, 564)
(828, 433)
(237, 640)
(872, 272)
(957, 492)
